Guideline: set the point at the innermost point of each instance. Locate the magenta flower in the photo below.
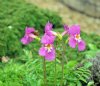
(29, 35)
(66, 28)
(75, 39)
(49, 35)
(48, 51)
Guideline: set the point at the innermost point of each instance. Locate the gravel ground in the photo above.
(88, 24)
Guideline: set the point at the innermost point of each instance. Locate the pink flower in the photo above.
(75, 39)
(48, 51)
(29, 35)
(66, 28)
(49, 35)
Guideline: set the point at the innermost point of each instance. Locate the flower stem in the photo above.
(44, 68)
(55, 80)
(62, 63)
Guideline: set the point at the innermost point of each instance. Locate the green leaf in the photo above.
(88, 64)
(91, 83)
(85, 76)
(72, 84)
(79, 83)
(91, 53)
(83, 79)
(92, 46)
(72, 63)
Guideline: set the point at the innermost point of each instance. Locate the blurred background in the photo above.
(84, 12)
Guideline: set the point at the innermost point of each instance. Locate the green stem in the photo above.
(62, 63)
(55, 80)
(44, 68)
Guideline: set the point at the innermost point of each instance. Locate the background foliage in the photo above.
(15, 15)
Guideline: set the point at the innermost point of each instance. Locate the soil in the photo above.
(69, 16)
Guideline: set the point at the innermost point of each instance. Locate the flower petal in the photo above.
(42, 51)
(26, 40)
(47, 39)
(81, 45)
(50, 55)
(48, 27)
(72, 42)
(49, 33)
(66, 28)
(29, 30)
(74, 29)
(23, 40)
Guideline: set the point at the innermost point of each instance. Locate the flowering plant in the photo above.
(48, 49)
(74, 37)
